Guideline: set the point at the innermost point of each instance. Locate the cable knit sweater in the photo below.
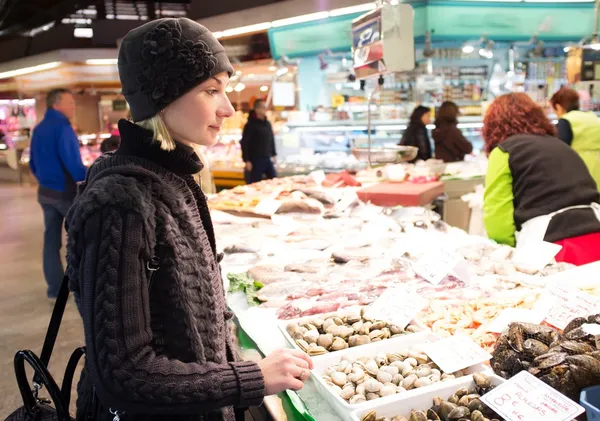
(158, 343)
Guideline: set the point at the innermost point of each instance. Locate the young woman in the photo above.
(579, 129)
(450, 144)
(537, 187)
(416, 133)
(143, 262)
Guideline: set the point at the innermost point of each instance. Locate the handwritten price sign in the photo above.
(526, 398)
(567, 304)
(396, 305)
(435, 266)
(455, 353)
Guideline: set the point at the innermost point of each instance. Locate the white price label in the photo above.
(267, 207)
(511, 315)
(526, 398)
(348, 198)
(565, 304)
(455, 353)
(434, 267)
(397, 306)
(535, 255)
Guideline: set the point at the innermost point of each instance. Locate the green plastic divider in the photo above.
(293, 406)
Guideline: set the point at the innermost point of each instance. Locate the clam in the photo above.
(481, 380)
(366, 328)
(459, 412)
(423, 382)
(339, 378)
(303, 345)
(378, 325)
(353, 318)
(409, 382)
(357, 340)
(372, 368)
(325, 340)
(475, 406)
(372, 396)
(327, 324)
(357, 326)
(417, 416)
(309, 327)
(373, 386)
(292, 328)
(412, 361)
(413, 329)
(312, 336)
(390, 369)
(397, 379)
(432, 415)
(298, 336)
(408, 370)
(338, 344)
(477, 416)
(360, 389)
(395, 357)
(384, 377)
(395, 330)
(347, 392)
(462, 392)
(421, 358)
(369, 416)
(381, 359)
(315, 351)
(464, 401)
(423, 371)
(446, 408)
(357, 375)
(388, 390)
(356, 399)
(375, 334)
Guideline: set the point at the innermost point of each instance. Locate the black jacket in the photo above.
(450, 144)
(547, 176)
(416, 135)
(258, 140)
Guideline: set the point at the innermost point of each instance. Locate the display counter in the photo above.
(324, 253)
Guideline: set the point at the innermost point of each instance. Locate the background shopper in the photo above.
(535, 180)
(143, 260)
(416, 133)
(56, 164)
(258, 145)
(450, 144)
(579, 129)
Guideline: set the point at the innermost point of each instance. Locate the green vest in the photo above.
(586, 139)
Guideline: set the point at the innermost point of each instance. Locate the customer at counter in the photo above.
(258, 145)
(450, 144)
(416, 133)
(537, 188)
(579, 129)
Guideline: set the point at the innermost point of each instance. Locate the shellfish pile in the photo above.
(322, 335)
(568, 362)
(368, 378)
(463, 405)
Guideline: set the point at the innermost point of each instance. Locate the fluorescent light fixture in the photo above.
(89, 11)
(559, 1)
(486, 53)
(229, 89)
(83, 33)
(566, 49)
(282, 71)
(468, 49)
(3, 146)
(469, 125)
(101, 61)
(272, 68)
(264, 88)
(243, 30)
(300, 19)
(352, 9)
(392, 127)
(239, 87)
(331, 128)
(27, 70)
(593, 46)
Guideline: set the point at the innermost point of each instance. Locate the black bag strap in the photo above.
(54, 326)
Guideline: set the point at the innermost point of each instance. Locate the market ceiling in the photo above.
(19, 17)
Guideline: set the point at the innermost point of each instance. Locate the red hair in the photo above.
(514, 114)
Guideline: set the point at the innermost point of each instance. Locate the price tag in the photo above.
(348, 198)
(566, 303)
(526, 398)
(285, 225)
(455, 353)
(534, 256)
(267, 207)
(397, 306)
(511, 315)
(434, 267)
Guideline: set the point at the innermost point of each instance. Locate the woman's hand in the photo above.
(249, 166)
(285, 369)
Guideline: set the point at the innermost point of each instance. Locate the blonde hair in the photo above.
(160, 132)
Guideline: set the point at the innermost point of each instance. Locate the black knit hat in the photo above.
(163, 59)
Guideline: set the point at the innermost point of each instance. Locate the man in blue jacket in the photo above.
(56, 164)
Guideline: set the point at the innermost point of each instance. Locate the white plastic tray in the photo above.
(422, 400)
(342, 407)
(283, 324)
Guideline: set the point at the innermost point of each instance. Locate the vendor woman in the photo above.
(537, 187)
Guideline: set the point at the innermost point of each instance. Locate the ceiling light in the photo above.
(243, 30)
(239, 87)
(272, 68)
(559, 1)
(352, 9)
(27, 70)
(486, 53)
(101, 61)
(229, 89)
(83, 33)
(468, 49)
(282, 71)
(300, 19)
(264, 88)
(566, 49)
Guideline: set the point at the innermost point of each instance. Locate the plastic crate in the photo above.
(590, 400)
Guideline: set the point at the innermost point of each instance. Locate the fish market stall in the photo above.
(305, 265)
